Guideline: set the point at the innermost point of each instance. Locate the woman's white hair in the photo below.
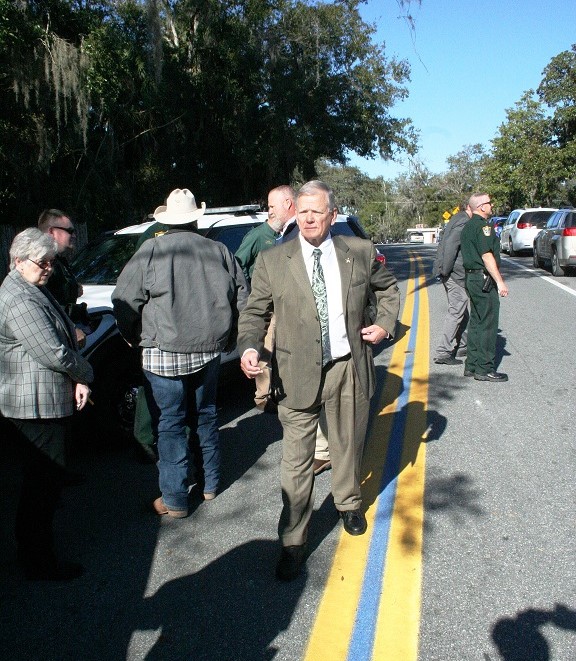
(32, 244)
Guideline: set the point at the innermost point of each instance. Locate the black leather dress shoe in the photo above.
(354, 522)
(291, 560)
(447, 360)
(496, 377)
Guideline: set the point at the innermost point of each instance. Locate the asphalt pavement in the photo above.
(498, 571)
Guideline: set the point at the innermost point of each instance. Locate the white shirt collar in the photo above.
(308, 248)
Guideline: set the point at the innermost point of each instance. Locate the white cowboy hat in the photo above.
(180, 208)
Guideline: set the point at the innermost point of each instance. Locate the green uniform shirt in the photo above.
(259, 238)
(477, 238)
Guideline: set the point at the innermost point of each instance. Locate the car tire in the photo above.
(557, 270)
(511, 250)
(538, 263)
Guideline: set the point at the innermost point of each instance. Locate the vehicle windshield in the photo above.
(101, 261)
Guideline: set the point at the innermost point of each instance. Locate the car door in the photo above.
(546, 237)
(505, 234)
(553, 233)
(556, 236)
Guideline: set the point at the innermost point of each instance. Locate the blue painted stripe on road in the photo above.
(362, 640)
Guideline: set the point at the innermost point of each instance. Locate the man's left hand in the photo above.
(374, 334)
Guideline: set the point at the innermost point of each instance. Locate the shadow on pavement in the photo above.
(153, 588)
(520, 638)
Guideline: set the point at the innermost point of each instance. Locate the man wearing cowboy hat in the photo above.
(179, 298)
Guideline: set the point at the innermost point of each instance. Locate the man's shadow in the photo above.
(501, 350)
(394, 442)
(520, 638)
(230, 609)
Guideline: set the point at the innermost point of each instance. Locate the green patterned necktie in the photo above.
(321, 298)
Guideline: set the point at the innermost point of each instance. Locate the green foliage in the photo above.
(558, 91)
(525, 167)
(110, 105)
(228, 99)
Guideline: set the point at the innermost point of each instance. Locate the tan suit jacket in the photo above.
(280, 285)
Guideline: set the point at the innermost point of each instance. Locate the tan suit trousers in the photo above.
(346, 409)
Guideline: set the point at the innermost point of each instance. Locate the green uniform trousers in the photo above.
(483, 325)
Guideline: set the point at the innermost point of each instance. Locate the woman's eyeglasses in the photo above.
(43, 264)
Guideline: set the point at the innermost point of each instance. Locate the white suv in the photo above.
(521, 227)
(97, 266)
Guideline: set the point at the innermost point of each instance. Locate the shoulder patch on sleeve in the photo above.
(486, 230)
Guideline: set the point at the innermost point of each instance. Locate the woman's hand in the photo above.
(81, 395)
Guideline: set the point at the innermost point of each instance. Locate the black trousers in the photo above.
(43, 444)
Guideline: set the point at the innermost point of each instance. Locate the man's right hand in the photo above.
(250, 363)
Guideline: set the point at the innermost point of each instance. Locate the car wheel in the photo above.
(538, 263)
(511, 250)
(557, 270)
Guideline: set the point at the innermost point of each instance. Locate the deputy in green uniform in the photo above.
(480, 249)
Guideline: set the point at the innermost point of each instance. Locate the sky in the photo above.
(470, 62)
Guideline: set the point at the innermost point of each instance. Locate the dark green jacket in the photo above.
(258, 239)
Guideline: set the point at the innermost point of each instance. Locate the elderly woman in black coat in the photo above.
(43, 379)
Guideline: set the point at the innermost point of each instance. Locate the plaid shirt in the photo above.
(167, 363)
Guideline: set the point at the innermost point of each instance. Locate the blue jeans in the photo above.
(176, 403)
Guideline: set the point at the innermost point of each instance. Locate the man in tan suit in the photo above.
(319, 288)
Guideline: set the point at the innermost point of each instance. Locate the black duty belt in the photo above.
(474, 270)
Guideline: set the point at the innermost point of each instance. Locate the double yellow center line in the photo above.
(370, 610)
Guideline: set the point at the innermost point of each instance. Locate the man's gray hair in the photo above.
(32, 244)
(475, 199)
(316, 186)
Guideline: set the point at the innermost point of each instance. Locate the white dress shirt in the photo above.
(339, 344)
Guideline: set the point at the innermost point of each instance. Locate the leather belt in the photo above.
(337, 360)
(474, 270)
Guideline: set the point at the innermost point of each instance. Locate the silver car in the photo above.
(521, 227)
(556, 243)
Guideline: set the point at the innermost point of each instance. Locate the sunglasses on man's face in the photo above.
(70, 230)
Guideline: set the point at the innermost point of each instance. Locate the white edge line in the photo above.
(543, 277)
